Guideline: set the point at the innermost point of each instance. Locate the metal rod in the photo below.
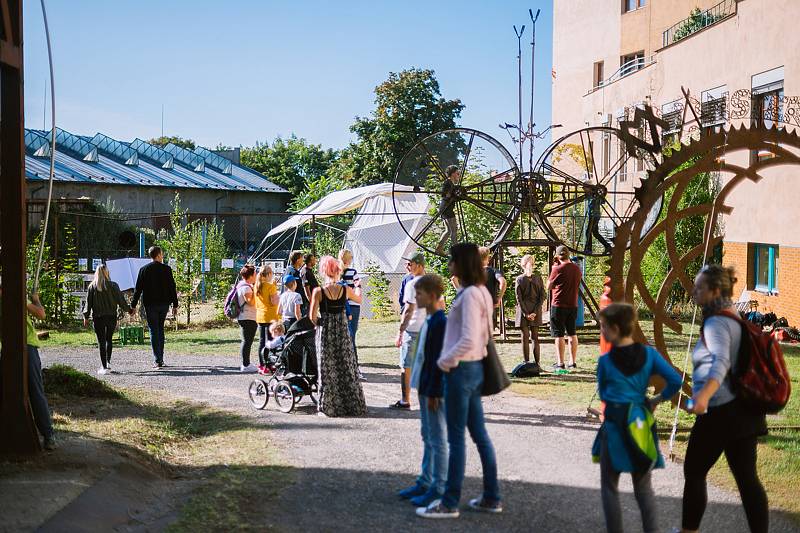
(519, 89)
(531, 124)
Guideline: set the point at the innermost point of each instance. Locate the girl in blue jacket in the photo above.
(627, 440)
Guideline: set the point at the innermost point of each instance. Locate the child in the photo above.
(623, 376)
(427, 378)
(290, 303)
(278, 332)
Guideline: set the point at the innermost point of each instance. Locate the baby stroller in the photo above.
(295, 373)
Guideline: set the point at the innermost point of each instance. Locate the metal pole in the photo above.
(141, 244)
(519, 89)
(531, 124)
(203, 234)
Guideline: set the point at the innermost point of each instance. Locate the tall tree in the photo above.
(408, 106)
(164, 140)
(290, 163)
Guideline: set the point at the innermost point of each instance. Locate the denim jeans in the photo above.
(156, 315)
(352, 325)
(39, 406)
(104, 327)
(433, 473)
(408, 349)
(462, 396)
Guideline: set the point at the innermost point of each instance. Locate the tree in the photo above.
(290, 163)
(164, 140)
(409, 105)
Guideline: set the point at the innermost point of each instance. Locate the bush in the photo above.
(377, 291)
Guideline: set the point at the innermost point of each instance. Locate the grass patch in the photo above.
(226, 454)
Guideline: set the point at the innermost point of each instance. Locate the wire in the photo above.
(52, 151)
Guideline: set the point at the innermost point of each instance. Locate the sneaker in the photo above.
(361, 375)
(413, 491)
(263, 370)
(573, 365)
(161, 364)
(483, 506)
(424, 500)
(50, 443)
(558, 366)
(102, 371)
(400, 405)
(437, 510)
(247, 369)
(156, 366)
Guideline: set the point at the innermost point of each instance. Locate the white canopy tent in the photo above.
(125, 271)
(375, 237)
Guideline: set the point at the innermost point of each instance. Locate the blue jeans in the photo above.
(156, 315)
(433, 473)
(352, 325)
(462, 396)
(407, 349)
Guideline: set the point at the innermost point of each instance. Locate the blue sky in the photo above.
(251, 70)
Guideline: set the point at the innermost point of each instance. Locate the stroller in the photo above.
(295, 373)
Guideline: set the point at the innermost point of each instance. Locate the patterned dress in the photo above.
(340, 392)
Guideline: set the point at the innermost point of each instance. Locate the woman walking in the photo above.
(340, 392)
(531, 295)
(102, 303)
(267, 300)
(351, 279)
(724, 423)
(247, 315)
(468, 331)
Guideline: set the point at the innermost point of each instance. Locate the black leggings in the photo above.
(104, 327)
(713, 434)
(263, 336)
(248, 330)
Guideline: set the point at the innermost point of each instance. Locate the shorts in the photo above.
(408, 349)
(562, 321)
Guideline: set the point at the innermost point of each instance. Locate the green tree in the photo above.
(408, 106)
(174, 139)
(290, 163)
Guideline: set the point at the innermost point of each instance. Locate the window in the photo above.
(631, 63)
(598, 76)
(767, 105)
(765, 267)
(632, 5)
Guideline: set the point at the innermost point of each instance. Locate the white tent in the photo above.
(375, 236)
(125, 271)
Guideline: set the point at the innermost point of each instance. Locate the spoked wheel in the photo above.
(258, 392)
(589, 177)
(484, 194)
(284, 396)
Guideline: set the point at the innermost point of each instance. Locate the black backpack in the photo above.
(526, 370)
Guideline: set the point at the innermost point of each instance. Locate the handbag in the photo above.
(495, 379)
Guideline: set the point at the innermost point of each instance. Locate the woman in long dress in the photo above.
(340, 392)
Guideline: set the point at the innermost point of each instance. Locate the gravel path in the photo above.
(348, 470)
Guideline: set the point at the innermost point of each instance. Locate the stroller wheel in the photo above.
(258, 393)
(284, 396)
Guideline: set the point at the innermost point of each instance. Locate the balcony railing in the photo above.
(699, 20)
(627, 69)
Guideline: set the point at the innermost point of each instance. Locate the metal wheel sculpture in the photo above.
(589, 177)
(721, 153)
(484, 196)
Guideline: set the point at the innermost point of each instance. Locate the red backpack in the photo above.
(760, 377)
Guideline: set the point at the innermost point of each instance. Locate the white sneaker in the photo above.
(108, 369)
(248, 369)
(102, 371)
(437, 510)
(361, 375)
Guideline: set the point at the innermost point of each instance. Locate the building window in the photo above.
(630, 63)
(767, 105)
(632, 5)
(598, 76)
(765, 267)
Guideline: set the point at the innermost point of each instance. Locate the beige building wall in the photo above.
(760, 37)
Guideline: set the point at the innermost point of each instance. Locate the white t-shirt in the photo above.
(410, 297)
(287, 303)
(248, 310)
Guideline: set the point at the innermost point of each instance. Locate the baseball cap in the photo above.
(288, 278)
(562, 251)
(417, 258)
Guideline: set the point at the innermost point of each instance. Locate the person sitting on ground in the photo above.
(623, 377)
(564, 282)
(531, 296)
(103, 299)
(410, 323)
(427, 378)
(290, 305)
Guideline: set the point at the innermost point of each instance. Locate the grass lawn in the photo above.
(223, 453)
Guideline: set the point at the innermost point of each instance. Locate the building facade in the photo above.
(610, 56)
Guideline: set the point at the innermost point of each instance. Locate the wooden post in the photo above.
(17, 431)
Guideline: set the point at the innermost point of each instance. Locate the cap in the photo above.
(417, 258)
(562, 251)
(288, 278)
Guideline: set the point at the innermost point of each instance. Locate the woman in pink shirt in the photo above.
(466, 335)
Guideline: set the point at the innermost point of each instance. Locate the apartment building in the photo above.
(611, 55)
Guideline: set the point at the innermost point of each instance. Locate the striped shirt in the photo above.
(349, 277)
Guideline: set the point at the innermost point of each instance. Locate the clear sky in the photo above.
(238, 72)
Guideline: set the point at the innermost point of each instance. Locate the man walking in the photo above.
(564, 282)
(411, 320)
(155, 284)
(447, 206)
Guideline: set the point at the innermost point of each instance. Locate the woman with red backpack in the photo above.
(725, 422)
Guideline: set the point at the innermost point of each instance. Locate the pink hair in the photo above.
(329, 267)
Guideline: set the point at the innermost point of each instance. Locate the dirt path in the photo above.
(346, 471)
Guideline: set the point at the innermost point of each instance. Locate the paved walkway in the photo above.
(348, 470)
